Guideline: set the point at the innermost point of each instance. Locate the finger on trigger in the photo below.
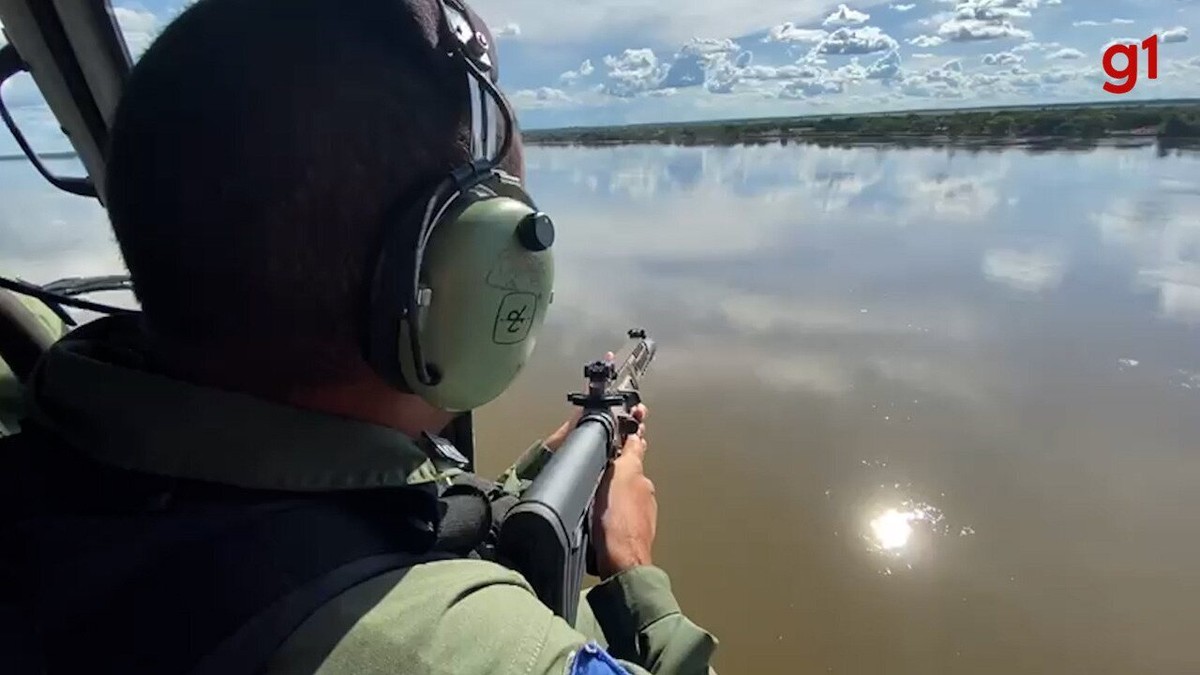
(637, 445)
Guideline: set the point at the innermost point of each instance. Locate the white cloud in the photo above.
(1002, 59)
(886, 68)
(809, 88)
(634, 72)
(974, 20)
(509, 29)
(542, 97)
(851, 72)
(1033, 46)
(1066, 54)
(792, 71)
(1028, 271)
(717, 77)
(866, 40)
(1176, 34)
(554, 22)
(926, 41)
(1162, 238)
(1090, 23)
(787, 32)
(586, 68)
(967, 30)
(845, 16)
(706, 46)
(139, 28)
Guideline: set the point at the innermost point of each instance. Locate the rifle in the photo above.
(545, 536)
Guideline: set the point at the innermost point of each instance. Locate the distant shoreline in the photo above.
(1002, 125)
(1174, 122)
(45, 155)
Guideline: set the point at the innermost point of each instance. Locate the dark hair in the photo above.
(255, 152)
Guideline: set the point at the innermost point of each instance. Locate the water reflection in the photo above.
(939, 403)
(895, 394)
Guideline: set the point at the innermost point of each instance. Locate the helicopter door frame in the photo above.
(77, 56)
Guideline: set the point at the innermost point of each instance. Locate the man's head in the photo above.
(257, 149)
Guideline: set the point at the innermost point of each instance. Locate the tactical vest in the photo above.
(110, 571)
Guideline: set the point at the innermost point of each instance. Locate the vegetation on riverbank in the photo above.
(1162, 120)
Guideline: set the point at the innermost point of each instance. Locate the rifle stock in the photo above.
(545, 535)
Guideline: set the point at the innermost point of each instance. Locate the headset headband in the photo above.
(465, 42)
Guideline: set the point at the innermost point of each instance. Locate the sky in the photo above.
(584, 62)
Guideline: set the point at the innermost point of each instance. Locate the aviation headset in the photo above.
(465, 277)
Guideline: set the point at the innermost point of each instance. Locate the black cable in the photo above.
(53, 298)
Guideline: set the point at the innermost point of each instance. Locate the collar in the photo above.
(91, 389)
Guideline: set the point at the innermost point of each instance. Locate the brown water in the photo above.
(913, 411)
(946, 337)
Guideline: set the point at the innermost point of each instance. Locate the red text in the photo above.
(1125, 79)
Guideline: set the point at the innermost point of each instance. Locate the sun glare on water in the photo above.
(893, 529)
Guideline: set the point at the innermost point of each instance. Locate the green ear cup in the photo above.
(489, 275)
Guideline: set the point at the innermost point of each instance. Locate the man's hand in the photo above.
(625, 514)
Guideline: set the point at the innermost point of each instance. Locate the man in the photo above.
(186, 479)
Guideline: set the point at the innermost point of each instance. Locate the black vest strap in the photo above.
(207, 580)
(246, 651)
(202, 595)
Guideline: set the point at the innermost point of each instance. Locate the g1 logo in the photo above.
(1128, 75)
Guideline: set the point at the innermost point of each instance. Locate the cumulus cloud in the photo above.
(1176, 34)
(586, 68)
(634, 72)
(509, 29)
(1090, 23)
(786, 32)
(968, 30)
(1002, 59)
(809, 88)
(1033, 46)
(844, 16)
(1027, 271)
(708, 46)
(138, 27)
(1066, 54)
(974, 20)
(886, 68)
(1120, 41)
(839, 56)
(926, 41)
(866, 40)
(792, 71)
(542, 97)
(952, 80)
(711, 62)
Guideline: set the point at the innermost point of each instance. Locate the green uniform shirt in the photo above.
(458, 616)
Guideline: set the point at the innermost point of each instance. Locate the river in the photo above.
(914, 411)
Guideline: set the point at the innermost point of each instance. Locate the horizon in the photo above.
(71, 154)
